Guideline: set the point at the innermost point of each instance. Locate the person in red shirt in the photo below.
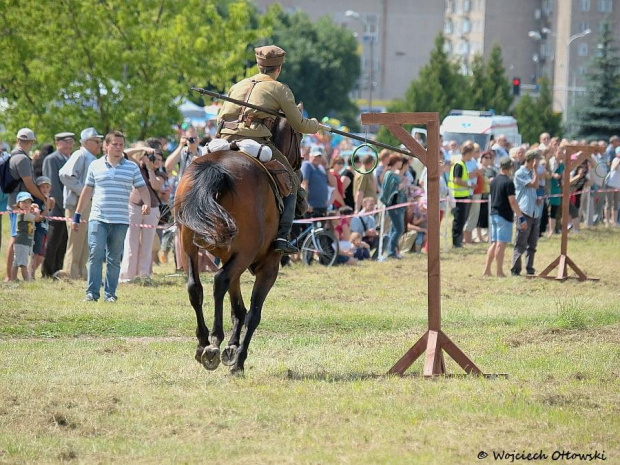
(338, 193)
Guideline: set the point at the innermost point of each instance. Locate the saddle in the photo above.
(277, 174)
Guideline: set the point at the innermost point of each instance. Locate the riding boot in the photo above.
(282, 243)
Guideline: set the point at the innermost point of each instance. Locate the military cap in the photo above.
(269, 55)
(64, 136)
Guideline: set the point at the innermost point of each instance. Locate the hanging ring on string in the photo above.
(357, 149)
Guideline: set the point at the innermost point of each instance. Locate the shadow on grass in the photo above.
(348, 377)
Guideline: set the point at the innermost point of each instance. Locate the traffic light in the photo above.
(516, 86)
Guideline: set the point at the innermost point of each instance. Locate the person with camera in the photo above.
(184, 154)
(138, 247)
(176, 164)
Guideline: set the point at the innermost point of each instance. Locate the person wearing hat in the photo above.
(503, 207)
(526, 184)
(236, 122)
(26, 215)
(315, 183)
(57, 234)
(20, 168)
(73, 177)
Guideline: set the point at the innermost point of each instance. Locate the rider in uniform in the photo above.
(236, 122)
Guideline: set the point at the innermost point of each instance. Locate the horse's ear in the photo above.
(300, 105)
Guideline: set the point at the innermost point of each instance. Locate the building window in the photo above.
(582, 50)
(447, 27)
(583, 25)
(604, 6)
(464, 48)
(547, 6)
(466, 6)
(581, 70)
(545, 49)
(450, 6)
(447, 47)
(584, 5)
(466, 26)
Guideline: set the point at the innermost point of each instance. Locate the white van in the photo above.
(478, 126)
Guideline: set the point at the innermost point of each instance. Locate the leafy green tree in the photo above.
(479, 85)
(439, 88)
(598, 114)
(321, 66)
(536, 116)
(114, 64)
(499, 93)
(529, 119)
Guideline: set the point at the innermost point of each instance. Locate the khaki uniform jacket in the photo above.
(267, 93)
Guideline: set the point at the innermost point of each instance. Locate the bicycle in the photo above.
(318, 245)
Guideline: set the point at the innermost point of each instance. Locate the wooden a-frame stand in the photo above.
(563, 262)
(434, 340)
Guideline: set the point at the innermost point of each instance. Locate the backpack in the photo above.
(7, 182)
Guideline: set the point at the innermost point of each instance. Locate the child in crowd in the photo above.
(41, 227)
(360, 249)
(27, 214)
(419, 224)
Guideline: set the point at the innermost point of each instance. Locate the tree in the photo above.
(499, 93)
(598, 114)
(528, 116)
(479, 85)
(536, 116)
(321, 66)
(439, 88)
(114, 64)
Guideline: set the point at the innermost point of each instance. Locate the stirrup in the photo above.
(284, 246)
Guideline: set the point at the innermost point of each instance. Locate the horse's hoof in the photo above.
(210, 358)
(198, 355)
(237, 371)
(229, 356)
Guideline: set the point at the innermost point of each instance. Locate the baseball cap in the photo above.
(23, 195)
(316, 152)
(64, 136)
(26, 134)
(89, 133)
(505, 163)
(43, 180)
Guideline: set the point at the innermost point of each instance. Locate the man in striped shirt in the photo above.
(112, 178)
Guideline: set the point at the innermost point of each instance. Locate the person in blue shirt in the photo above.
(526, 184)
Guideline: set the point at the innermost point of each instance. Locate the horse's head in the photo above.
(288, 141)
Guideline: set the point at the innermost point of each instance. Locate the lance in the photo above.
(282, 115)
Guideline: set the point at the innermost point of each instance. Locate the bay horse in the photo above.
(225, 204)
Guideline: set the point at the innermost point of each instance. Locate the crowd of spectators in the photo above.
(483, 187)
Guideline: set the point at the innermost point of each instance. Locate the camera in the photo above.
(152, 158)
(191, 140)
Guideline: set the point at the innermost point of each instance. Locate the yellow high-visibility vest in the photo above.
(458, 192)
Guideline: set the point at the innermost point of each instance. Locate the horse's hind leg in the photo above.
(237, 314)
(230, 272)
(266, 274)
(195, 291)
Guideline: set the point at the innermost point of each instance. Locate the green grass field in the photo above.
(117, 383)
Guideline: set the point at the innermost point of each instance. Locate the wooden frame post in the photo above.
(563, 262)
(434, 341)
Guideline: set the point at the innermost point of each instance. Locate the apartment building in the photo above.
(537, 37)
(396, 38)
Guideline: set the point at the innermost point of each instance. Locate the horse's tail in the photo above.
(198, 209)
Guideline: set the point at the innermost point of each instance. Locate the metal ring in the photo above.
(601, 173)
(355, 152)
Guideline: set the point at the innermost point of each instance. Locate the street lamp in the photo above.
(579, 35)
(357, 17)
